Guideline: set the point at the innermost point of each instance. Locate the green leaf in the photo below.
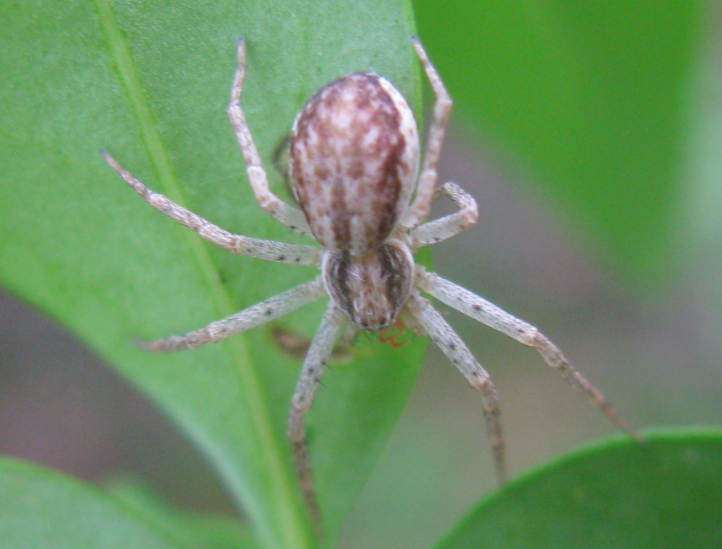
(665, 493)
(590, 97)
(150, 82)
(700, 223)
(40, 508)
(197, 529)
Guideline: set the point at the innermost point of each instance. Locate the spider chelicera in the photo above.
(354, 168)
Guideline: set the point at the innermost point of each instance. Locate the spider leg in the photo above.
(289, 216)
(487, 313)
(421, 205)
(260, 313)
(449, 225)
(245, 245)
(313, 368)
(458, 353)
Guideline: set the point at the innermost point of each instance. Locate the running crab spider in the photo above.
(354, 168)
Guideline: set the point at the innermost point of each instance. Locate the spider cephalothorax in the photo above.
(354, 167)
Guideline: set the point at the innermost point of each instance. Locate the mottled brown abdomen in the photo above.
(354, 156)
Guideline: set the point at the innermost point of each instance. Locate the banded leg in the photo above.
(256, 315)
(245, 245)
(289, 216)
(487, 313)
(426, 186)
(450, 225)
(313, 368)
(458, 353)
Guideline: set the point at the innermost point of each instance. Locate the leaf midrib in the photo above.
(294, 531)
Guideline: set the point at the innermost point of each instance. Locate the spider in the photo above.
(354, 168)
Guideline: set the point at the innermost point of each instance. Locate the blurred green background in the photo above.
(591, 135)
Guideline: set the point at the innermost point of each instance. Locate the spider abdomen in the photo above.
(354, 156)
(370, 289)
